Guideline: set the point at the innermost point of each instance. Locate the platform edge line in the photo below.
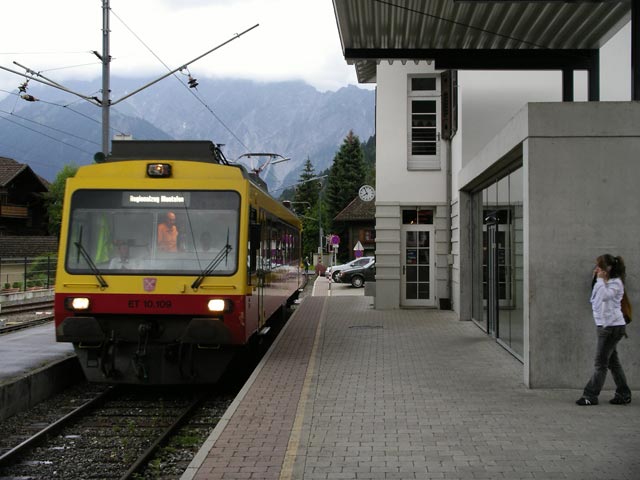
(201, 455)
(286, 471)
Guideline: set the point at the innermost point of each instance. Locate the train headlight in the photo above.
(77, 303)
(159, 170)
(219, 305)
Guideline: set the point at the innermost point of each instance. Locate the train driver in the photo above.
(122, 260)
(168, 234)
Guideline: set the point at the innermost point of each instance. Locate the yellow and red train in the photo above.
(170, 259)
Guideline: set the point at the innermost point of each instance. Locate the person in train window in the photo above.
(168, 234)
(122, 260)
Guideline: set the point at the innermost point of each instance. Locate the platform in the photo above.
(348, 392)
(33, 366)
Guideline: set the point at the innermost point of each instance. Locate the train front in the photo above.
(150, 288)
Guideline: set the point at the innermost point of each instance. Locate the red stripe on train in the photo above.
(146, 304)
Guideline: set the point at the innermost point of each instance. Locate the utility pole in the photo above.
(105, 103)
(320, 217)
(106, 61)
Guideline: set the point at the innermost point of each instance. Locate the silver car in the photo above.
(332, 272)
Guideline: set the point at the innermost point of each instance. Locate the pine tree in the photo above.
(306, 195)
(306, 205)
(346, 176)
(369, 150)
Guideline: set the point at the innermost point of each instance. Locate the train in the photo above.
(171, 260)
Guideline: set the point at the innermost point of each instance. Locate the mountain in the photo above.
(291, 119)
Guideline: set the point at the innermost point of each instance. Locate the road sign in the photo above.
(335, 240)
(358, 249)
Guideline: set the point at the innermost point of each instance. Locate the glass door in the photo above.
(493, 287)
(418, 266)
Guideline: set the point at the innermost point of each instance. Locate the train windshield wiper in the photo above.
(222, 254)
(103, 283)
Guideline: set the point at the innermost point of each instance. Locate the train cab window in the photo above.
(156, 233)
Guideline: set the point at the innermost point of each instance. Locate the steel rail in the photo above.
(26, 307)
(145, 456)
(10, 455)
(26, 324)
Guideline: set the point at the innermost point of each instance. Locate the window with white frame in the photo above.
(424, 123)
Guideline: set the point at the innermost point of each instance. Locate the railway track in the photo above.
(18, 316)
(26, 307)
(112, 435)
(94, 431)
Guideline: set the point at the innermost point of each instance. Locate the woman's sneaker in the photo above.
(586, 401)
(618, 400)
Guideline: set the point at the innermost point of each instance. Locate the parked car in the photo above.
(332, 272)
(357, 276)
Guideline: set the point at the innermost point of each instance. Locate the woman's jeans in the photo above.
(607, 358)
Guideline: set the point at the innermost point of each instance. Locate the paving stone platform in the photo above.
(348, 392)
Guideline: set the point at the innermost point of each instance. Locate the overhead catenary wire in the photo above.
(190, 90)
(67, 107)
(44, 53)
(46, 126)
(92, 64)
(105, 103)
(45, 135)
(21, 153)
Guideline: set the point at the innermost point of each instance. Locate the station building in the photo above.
(505, 232)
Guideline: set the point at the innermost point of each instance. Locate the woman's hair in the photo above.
(615, 265)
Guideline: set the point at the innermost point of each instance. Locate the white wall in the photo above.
(394, 183)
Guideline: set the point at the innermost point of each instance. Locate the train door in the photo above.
(256, 273)
(263, 270)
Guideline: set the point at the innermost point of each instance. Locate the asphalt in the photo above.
(349, 392)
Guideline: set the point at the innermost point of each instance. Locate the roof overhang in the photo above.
(477, 34)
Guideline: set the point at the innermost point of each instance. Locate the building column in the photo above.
(567, 85)
(635, 50)
(594, 76)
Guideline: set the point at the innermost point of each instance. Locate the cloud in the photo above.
(295, 40)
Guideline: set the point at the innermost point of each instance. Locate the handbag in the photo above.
(625, 306)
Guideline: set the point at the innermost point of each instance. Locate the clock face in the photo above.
(366, 193)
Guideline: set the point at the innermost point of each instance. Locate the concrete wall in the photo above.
(581, 176)
(583, 201)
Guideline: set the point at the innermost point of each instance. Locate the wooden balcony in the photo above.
(14, 211)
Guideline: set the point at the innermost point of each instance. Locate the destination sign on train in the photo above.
(146, 199)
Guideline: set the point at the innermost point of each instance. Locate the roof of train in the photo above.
(174, 151)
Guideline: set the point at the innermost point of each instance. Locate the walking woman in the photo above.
(606, 297)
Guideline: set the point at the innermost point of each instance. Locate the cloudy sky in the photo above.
(295, 39)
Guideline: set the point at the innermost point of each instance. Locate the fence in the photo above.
(28, 273)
